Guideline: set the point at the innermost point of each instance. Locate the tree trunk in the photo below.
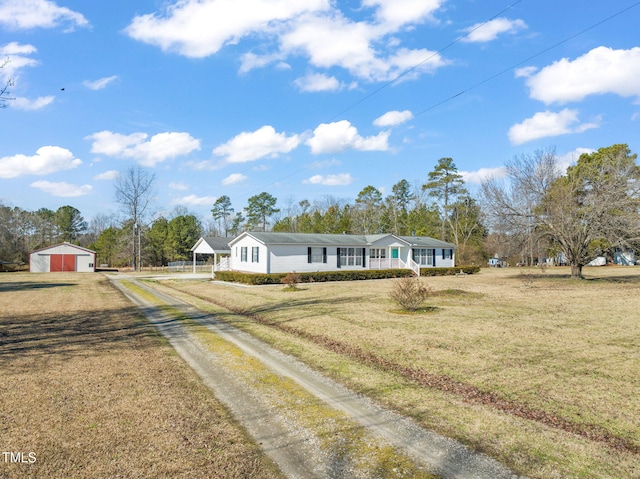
(576, 271)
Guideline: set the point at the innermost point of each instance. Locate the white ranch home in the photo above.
(257, 252)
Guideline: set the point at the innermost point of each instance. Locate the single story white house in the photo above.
(218, 246)
(63, 257)
(257, 252)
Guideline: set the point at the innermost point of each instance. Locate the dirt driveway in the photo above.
(309, 425)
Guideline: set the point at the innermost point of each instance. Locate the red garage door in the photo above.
(62, 262)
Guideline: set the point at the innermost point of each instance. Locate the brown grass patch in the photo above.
(553, 365)
(94, 391)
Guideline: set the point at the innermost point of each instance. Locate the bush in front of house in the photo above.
(449, 271)
(410, 293)
(344, 275)
(313, 277)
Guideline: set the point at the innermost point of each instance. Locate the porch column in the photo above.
(194, 262)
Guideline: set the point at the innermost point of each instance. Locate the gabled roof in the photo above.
(218, 244)
(320, 239)
(64, 244)
(426, 242)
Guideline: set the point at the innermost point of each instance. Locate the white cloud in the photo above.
(107, 175)
(546, 124)
(62, 189)
(315, 29)
(601, 70)
(26, 14)
(199, 28)
(100, 83)
(234, 179)
(251, 146)
(48, 159)
(333, 40)
(157, 149)
(482, 174)
(178, 185)
(341, 179)
(22, 103)
(396, 13)
(342, 135)
(393, 118)
(490, 30)
(193, 200)
(314, 82)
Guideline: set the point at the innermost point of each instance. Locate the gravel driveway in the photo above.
(295, 448)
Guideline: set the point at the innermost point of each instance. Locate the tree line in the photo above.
(538, 211)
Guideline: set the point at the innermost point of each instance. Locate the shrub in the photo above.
(410, 293)
(291, 280)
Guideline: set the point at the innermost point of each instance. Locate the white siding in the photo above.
(249, 266)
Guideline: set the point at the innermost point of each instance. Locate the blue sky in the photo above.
(304, 99)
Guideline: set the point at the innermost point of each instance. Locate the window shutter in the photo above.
(338, 256)
(434, 258)
(309, 254)
(443, 257)
(364, 257)
(324, 255)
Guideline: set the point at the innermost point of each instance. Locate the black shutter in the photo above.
(324, 255)
(443, 257)
(309, 254)
(364, 257)
(338, 256)
(434, 258)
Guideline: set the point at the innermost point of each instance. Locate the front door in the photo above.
(394, 253)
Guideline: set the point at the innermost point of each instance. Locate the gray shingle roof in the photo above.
(342, 240)
(218, 243)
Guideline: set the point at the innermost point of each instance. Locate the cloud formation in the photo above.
(597, 72)
(62, 189)
(393, 118)
(314, 29)
(193, 200)
(481, 33)
(100, 83)
(158, 148)
(28, 14)
(341, 179)
(546, 124)
(342, 135)
(234, 179)
(265, 142)
(48, 159)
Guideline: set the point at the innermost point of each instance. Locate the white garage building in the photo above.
(63, 257)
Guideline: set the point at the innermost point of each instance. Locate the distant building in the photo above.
(63, 257)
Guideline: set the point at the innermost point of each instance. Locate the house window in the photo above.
(316, 254)
(423, 256)
(351, 256)
(378, 253)
(447, 253)
(255, 258)
(243, 254)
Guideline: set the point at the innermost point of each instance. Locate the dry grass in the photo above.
(94, 392)
(563, 356)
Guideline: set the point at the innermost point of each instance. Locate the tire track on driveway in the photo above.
(294, 448)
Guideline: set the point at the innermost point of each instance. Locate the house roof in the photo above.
(64, 244)
(426, 242)
(338, 240)
(218, 244)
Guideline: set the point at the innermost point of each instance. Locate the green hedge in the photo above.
(346, 275)
(449, 271)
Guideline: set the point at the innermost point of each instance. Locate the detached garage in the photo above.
(64, 257)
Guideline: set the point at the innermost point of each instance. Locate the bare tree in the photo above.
(596, 202)
(4, 89)
(134, 192)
